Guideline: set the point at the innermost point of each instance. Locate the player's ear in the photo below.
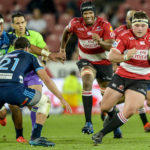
(12, 25)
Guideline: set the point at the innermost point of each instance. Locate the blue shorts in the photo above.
(32, 79)
(15, 94)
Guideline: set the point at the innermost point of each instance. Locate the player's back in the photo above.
(15, 65)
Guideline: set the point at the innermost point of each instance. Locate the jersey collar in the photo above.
(27, 33)
(91, 25)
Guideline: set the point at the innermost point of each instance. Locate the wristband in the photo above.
(125, 57)
(45, 52)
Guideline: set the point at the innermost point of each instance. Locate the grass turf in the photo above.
(65, 132)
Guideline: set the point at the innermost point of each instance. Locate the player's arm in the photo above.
(116, 56)
(105, 44)
(65, 38)
(46, 53)
(52, 87)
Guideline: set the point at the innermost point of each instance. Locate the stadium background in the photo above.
(49, 17)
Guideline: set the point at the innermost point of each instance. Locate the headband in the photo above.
(139, 21)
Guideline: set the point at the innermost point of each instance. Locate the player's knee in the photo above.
(87, 73)
(3, 112)
(148, 103)
(14, 109)
(130, 111)
(43, 105)
(104, 107)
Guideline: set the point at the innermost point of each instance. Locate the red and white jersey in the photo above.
(88, 48)
(138, 67)
(119, 30)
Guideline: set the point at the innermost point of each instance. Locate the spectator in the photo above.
(37, 23)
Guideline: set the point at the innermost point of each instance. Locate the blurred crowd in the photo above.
(49, 17)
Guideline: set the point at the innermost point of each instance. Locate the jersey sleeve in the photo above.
(119, 44)
(72, 24)
(37, 40)
(36, 64)
(108, 31)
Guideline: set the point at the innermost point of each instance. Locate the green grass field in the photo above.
(65, 132)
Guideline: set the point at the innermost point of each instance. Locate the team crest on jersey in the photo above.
(115, 44)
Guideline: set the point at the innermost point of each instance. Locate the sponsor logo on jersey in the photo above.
(141, 55)
(6, 76)
(142, 43)
(80, 29)
(88, 43)
(89, 33)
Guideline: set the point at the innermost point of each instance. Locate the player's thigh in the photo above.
(148, 97)
(133, 101)
(110, 98)
(36, 87)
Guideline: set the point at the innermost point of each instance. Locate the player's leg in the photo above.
(133, 101)
(147, 125)
(104, 76)
(144, 119)
(34, 108)
(88, 74)
(3, 113)
(33, 81)
(17, 120)
(43, 104)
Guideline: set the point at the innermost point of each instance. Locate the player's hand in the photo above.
(64, 52)
(59, 56)
(96, 38)
(130, 53)
(67, 106)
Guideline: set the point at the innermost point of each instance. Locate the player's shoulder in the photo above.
(126, 34)
(121, 28)
(101, 20)
(76, 20)
(32, 33)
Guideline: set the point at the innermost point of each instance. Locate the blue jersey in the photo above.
(15, 65)
(6, 40)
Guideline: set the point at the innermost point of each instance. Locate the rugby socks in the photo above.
(143, 115)
(33, 116)
(117, 121)
(112, 111)
(87, 104)
(36, 133)
(19, 132)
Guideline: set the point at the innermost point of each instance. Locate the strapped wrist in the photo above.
(125, 57)
(45, 52)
